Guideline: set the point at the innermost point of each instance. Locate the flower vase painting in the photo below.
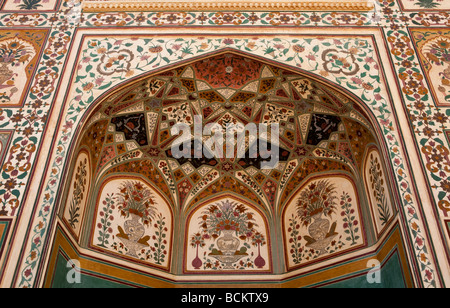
(437, 52)
(227, 235)
(424, 5)
(323, 218)
(434, 54)
(133, 221)
(15, 55)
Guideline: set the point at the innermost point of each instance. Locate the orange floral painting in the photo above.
(434, 53)
(19, 52)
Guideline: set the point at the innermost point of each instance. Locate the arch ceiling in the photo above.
(315, 121)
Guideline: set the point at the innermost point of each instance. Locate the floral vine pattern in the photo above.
(350, 222)
(104, 225)
(378, 191)
(80, 189)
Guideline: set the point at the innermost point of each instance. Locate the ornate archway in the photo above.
(330, 163)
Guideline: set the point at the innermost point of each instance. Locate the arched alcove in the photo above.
(323, 219)
(227, 233)
(134, 222)
(328, 145)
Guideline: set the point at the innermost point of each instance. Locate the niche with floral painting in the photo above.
(19, 54)
(133, 220)
(227, 235)
(323, 218)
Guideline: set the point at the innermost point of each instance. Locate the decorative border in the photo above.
(240, 5)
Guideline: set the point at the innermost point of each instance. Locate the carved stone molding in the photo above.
(228, 5)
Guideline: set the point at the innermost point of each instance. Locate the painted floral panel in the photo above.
(322, 219)
(106, 55)
(78, 193)
(227, 236)
(434, 54)
(133, 220)
(19, 52)
(377, 191)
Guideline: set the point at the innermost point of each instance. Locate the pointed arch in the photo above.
(318, 120)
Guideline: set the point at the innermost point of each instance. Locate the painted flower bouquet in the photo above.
(319, 198)
(136, 199)
(228, 216)
(439, 52)
(225, 219)
(197, 240)
(14, 52)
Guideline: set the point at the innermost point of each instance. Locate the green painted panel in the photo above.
(391, 276)
(86, 281)
(5, 224)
